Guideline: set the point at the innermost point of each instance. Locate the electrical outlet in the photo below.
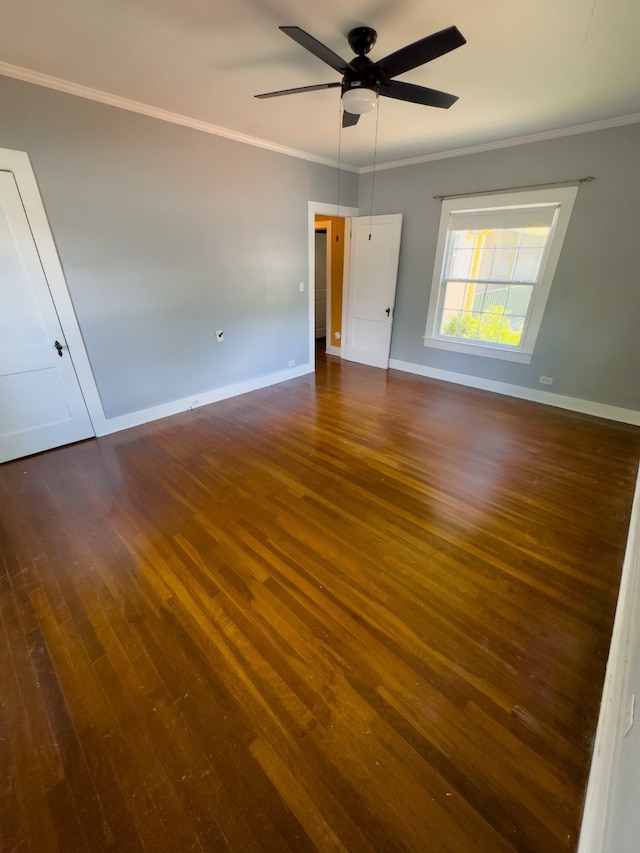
(219, 336)
(629, 714)
(292, 364)
(546, 380)
(302, 287)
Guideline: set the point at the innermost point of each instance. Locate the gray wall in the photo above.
(590, 339)
(167, 234)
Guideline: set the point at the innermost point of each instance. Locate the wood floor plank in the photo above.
(357, 611)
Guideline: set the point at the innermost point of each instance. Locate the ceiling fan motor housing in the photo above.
(362, 39)
(361, 73)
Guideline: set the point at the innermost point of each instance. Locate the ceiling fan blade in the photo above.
(417, 94)
(420, 52)
(349, 119)
(299, 89)
(316, 48)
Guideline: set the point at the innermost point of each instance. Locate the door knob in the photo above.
(59, 347)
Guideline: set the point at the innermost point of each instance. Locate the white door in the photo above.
(371, 288)
(41, 405)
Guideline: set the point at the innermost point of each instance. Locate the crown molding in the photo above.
(66, 86)
(69, 88)
(634, 118)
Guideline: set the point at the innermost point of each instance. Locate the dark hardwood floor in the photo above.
(357, 611)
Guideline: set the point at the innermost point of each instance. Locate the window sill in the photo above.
(479, 349)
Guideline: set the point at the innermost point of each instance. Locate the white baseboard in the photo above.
(331, 350)
(607, 804)
(574, 404)
(143, 416)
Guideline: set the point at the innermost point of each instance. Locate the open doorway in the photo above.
(323, 215)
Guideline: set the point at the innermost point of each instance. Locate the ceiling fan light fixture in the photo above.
(359, 100)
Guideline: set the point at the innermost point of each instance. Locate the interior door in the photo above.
(41, 404)
(371, 288)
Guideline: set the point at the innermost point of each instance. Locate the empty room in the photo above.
(319, 427)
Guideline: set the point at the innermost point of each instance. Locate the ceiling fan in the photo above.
(363, 80)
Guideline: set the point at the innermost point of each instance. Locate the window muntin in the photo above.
(494, 268)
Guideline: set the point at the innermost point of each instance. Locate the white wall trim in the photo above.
(38, 79)
(601, 789)
(174, 407)
(574, 404)
(589, 127)
(60, 85)
(330, 349)
(19, 164)
(484, 351)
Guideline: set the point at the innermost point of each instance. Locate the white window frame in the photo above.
(563, 198)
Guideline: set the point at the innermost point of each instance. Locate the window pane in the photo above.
(450, 323)
(482, 262)
(460, 262)
(515, 324)
(454, 295)
(494, 307)
(518, 299)
(502, 264)
(527, 265)
(469, 324)
(477, 296)
(508, 239)
(534, 238)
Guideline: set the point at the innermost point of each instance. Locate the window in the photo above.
(495, 261)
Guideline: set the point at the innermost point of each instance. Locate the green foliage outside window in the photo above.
(491, 326)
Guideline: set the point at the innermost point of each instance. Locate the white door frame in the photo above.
(18, 162)
(322, 209)
(327, 279)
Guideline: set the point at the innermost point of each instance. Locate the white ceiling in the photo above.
(527, 67)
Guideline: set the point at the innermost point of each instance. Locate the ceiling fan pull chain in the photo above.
(373, 174)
